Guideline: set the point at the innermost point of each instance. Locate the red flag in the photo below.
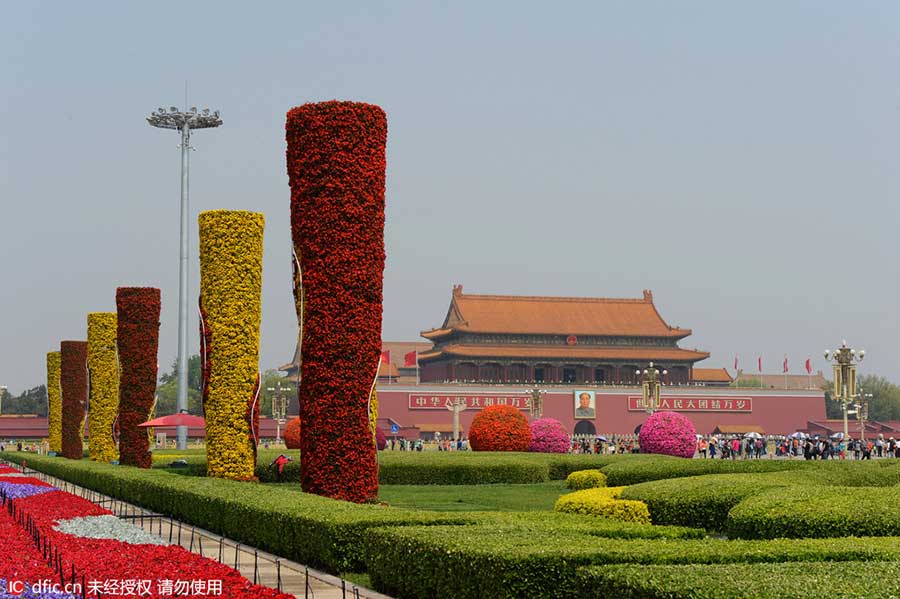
(808, 366)
(410, 359)
(759, 364)
(386, 357)
(785, 365)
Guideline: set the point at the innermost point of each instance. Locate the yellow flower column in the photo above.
(54, 401)
(231, 247)
(103, 405)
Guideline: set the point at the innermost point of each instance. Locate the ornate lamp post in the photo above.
(845, 376)
(456, 406)
(862, 412)
(183, 122)
(650, 382)
(536, 406)
(279, 408)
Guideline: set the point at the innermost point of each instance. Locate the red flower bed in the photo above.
(336, 168)
(137, 339)
(19, 558)
(73, 382)
(104, 559)
(292, 434)
(500, 428)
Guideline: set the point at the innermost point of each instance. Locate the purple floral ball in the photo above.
(548, 436)
(668, 433)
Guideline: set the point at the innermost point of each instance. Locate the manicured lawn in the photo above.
(466, 498)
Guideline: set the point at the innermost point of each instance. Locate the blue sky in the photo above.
(736, 158)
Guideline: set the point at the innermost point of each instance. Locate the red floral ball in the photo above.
(380, 439)
(500, 428)
(292, 434)
(668, 433)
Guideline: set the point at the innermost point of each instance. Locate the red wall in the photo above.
(776, 411)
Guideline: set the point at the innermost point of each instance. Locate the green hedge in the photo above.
(861, 580)
(700, 501)
(814, 511)
(307, 528)
(494, 561)
(632, 472)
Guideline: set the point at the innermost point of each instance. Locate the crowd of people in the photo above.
(797, 446)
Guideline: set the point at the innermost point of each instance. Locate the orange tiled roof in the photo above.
(711, 375)
(564, 351)
(555, 315)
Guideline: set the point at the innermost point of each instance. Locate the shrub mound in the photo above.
(292, 434)
(602, 502)
(548, 435)
(815, 511)
(725, 581)
(668, 433)
(500, 428)
(585, 479)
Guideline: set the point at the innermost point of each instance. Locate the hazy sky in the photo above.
(737, 158)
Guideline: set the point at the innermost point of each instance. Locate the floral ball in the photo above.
(499, 428)
(380, 439)
(548, 435)
(668, 433)
(292, 434)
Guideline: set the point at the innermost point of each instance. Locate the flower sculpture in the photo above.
(103, 368)
(137, 339)
(380, 439)
(73, 383)
(500, 428)
(336, 168)
(231, 247)
(668, 433)
(548, 435)
(54, 403)
(292, 434)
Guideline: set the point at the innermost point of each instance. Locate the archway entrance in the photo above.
(585, 427)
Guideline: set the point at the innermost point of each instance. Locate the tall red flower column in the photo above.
(73, 383)
(137, 340)
(336, 167)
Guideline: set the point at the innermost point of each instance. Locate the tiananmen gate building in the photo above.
(582, 354)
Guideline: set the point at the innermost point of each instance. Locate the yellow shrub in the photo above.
(103, 405)
(231, 247)
(602, 502)
(373, 410)
(54, 401)
(585, 479)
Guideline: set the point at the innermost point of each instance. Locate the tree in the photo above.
(167, 390)
(32, 401)
(883, 405)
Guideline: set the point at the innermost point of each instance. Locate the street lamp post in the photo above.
(536, 405)
(2, 395)
(650, 383)
(183, 122)
(845, 376)
(862, 412)
(279, 408)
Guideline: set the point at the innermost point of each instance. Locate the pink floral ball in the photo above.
(548, 436)
(668, 433)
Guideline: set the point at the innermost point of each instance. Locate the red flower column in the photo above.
(73, 383)
(137, 339)
(336, 167)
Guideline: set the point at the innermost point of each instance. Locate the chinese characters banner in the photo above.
(695, 404)
(424, 401)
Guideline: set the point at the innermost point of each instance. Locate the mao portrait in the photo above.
(584, 404)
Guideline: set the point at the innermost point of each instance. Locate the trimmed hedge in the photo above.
(307, 528)
(876, 580)
(496, 561)
(585, 479)
(632, 472)
(701, 501)
(603, 502)
(814, 511)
